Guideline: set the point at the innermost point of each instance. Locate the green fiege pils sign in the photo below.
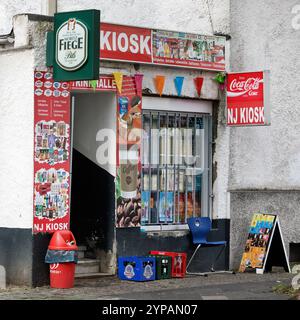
(76, 45)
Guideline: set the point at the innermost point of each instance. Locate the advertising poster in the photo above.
(166, 205)
(257, 243)
(161, 47)
(129, 131)
(248, 99)
(51, 201)
(145, 206)
(188, 50)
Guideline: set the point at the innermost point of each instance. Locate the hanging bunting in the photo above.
(178, 84)
(198, 83)
(93, 84)
(138, 78)
(159, 84)
(118, 76)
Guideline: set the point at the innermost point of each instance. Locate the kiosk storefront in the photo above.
(125, 159)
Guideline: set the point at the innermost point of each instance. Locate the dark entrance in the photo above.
(92, 181)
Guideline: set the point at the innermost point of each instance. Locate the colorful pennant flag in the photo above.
(178, 84)
(159, 84)
(138, 77)
(198, 83)
(93, 84)
(118, 76)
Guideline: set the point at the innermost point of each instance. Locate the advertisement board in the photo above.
(51, 200)
(129, 132)
(248, 98)
(76, 45)
(264, 246)
(161, 47)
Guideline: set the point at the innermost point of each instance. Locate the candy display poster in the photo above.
(129, 131)
(51, 199)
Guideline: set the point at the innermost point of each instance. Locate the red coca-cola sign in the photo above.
(247, 95)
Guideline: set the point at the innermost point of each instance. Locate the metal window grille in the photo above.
(176, 160)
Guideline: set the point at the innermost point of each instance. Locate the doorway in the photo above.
(92, 180)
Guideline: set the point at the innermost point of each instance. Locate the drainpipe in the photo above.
(49, 7)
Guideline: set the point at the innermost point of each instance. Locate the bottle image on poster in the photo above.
(166, 204)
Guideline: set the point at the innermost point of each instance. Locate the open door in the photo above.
(92, 180)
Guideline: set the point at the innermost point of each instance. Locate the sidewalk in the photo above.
(214, 287)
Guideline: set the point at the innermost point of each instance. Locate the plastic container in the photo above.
(62, 240)
(62, 275)
(137, 268)
(62, 257)
(178, 262)
(163, 267)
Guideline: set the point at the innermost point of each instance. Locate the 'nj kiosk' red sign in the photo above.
(248, 99)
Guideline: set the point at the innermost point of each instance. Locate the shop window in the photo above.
(175, 167)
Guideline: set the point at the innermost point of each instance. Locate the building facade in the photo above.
(244, 170)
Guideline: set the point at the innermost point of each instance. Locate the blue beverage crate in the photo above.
(137, 268)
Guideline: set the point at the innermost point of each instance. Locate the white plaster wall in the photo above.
(221, 161)
(187, 15)
(9, 8)
(16, 142)
(263, 37)
(94, 112)
(266, 158)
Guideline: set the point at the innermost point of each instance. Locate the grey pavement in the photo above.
(241, 286)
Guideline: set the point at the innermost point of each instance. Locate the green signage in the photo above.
(76, 45)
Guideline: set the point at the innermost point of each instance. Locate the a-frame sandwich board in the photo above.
(276, 253)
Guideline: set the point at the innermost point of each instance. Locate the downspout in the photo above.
(49, 7)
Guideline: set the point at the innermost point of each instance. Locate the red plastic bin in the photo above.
(63, 240)
(178, 262)
(62, 273)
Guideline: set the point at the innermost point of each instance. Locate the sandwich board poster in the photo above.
(264, 245)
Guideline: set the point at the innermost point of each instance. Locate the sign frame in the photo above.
(265, 100)
(264, 260)
(151, 61)
(89, 68)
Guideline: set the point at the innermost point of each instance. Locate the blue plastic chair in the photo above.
(200, 228)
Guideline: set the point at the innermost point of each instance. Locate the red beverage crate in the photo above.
(178, 262)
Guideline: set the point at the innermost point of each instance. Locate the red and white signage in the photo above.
(125, 43)
(160, 47)
(51, 195)
(104, 83)
(248, 98)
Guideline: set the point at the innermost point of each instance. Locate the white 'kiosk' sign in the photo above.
(71, 45)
